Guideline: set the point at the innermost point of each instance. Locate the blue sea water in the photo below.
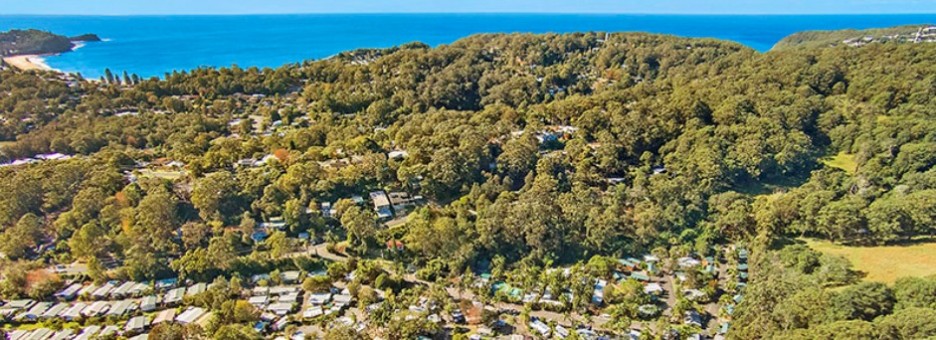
(153, 45)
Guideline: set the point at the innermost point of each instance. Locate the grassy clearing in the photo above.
(164, 174)
(885, 263)
(842, 161)
(38, 325)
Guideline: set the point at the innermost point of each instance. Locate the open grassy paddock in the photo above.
(885, 263)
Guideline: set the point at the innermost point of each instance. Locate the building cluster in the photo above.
(925, 34)
(131, 309)
(128, 302)
(37, 158)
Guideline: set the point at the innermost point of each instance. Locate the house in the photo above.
(396, 245)
(342, 299)
(64, 334)
(136, 325)
(74, 312)
(585, 333)
(540, 327)
(54, 311)
(259, 301)
(20, 304)
(742, 255)
(6, 313)
(148, 303)
(327, 210)
(140, 337)
(291, 297)
(41, 333)
(640, 276)
(35, 311)
(122, 307)
(69, 293)
(274, 223)
(196, 289)
(630, 263)
(381, 204)
(123, 290)
(530, 297)
(97, 308)
(268, 317)
(653, 289)
(88, 333)
(281, 308)
(260, 290)
(318, 299)
(246, 162)
(402, 201)
(561, 332)
(17, 334)
(289, 277)
(282, 290)
(648, 311)
(397, 155)
(190, 315)
(598, 294)
(693, 294)
(281, 324)
(313, 312)
(693, 318)
(174, 296)
(104, 291)
(87, 290)
(687, 262)
(140, 289)
(164, 316)
(109, 330)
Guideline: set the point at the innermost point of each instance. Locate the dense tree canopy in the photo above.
(531, 149)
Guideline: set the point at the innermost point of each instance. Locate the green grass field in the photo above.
(885, 263)
(842, 161)
(164, 174)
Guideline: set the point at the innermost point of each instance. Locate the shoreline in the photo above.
(28, 62)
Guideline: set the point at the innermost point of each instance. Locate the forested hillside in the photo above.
(530, 150)
(19, 42)
(901, 34)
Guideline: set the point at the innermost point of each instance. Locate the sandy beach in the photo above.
(27, 62)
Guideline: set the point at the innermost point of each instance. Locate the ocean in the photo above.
(154, 45)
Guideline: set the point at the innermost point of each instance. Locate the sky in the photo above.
(164, 7)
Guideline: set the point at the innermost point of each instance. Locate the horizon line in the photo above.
(468, 13)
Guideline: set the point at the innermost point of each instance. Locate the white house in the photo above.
(190, 315)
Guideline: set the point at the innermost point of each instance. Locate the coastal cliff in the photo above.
(36, 42)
